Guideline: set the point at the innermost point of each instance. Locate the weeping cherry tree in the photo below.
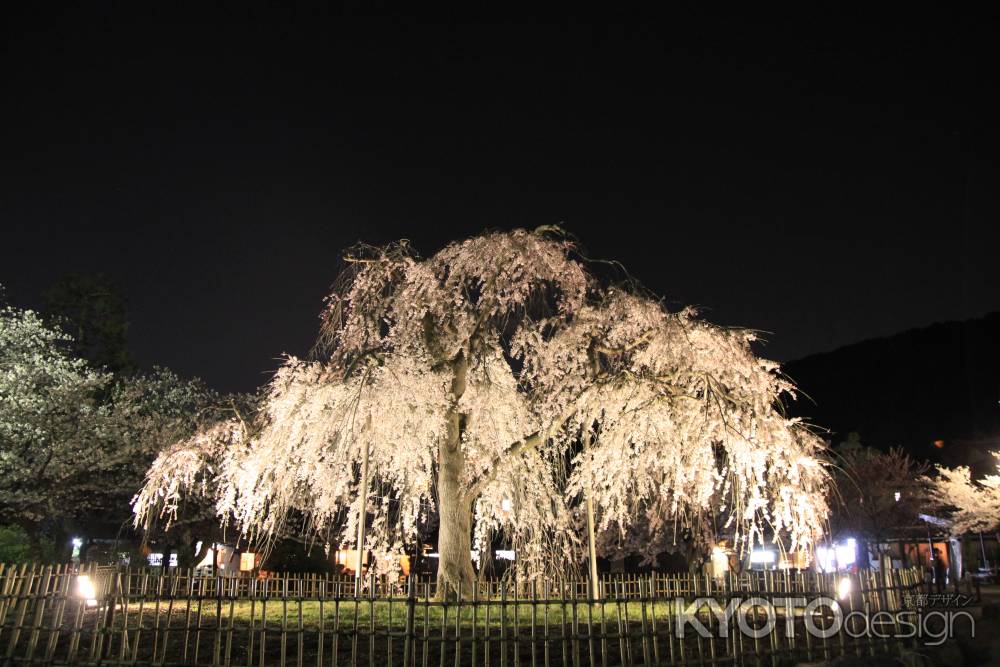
(495, 387)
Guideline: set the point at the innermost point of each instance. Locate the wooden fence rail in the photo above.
(59, 615)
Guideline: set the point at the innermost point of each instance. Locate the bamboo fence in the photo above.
(180, 617)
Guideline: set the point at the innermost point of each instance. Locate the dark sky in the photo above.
(826, 178)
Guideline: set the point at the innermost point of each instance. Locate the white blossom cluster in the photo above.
(75, 440)
(505, 356)
(48, 413)
(974, 505)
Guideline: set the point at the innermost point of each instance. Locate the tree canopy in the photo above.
(75, 440)
(491, 386)
(49, 417)
(972, 505)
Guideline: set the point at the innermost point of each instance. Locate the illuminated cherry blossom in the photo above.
(474, 378)
(974, 506)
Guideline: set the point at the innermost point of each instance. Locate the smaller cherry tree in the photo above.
(973, 505)
(50, 419)
(76, 440)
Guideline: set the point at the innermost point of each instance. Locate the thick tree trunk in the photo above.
(454, 506)
(185, 549)
(61, 540)
(455, 529)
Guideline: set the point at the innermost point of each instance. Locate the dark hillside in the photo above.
(934, 390)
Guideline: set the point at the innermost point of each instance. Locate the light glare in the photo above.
(844, 588)
(85, 589)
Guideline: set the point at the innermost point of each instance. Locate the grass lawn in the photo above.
(386, 616)
(257, 632)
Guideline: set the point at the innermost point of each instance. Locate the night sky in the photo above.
(824, 178)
